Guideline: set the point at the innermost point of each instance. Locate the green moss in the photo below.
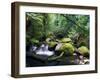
(52, 43)
(83, 50)
(67, 47)
(34, 41)
(66, 40)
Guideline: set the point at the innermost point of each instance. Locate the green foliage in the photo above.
(50, 35)
(34, 41)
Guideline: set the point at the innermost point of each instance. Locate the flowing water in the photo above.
(43, 50)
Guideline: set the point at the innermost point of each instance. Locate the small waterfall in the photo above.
(33, 48)
(43, 50)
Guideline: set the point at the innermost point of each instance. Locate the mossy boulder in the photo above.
(67, 47)
(83, 50)
(52, 43)
(66, 40)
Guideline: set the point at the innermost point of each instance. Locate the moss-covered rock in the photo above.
(66, 40)
(83, 50)
(67, 47)
(52, 43)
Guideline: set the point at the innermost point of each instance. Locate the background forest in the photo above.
(56, 39)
